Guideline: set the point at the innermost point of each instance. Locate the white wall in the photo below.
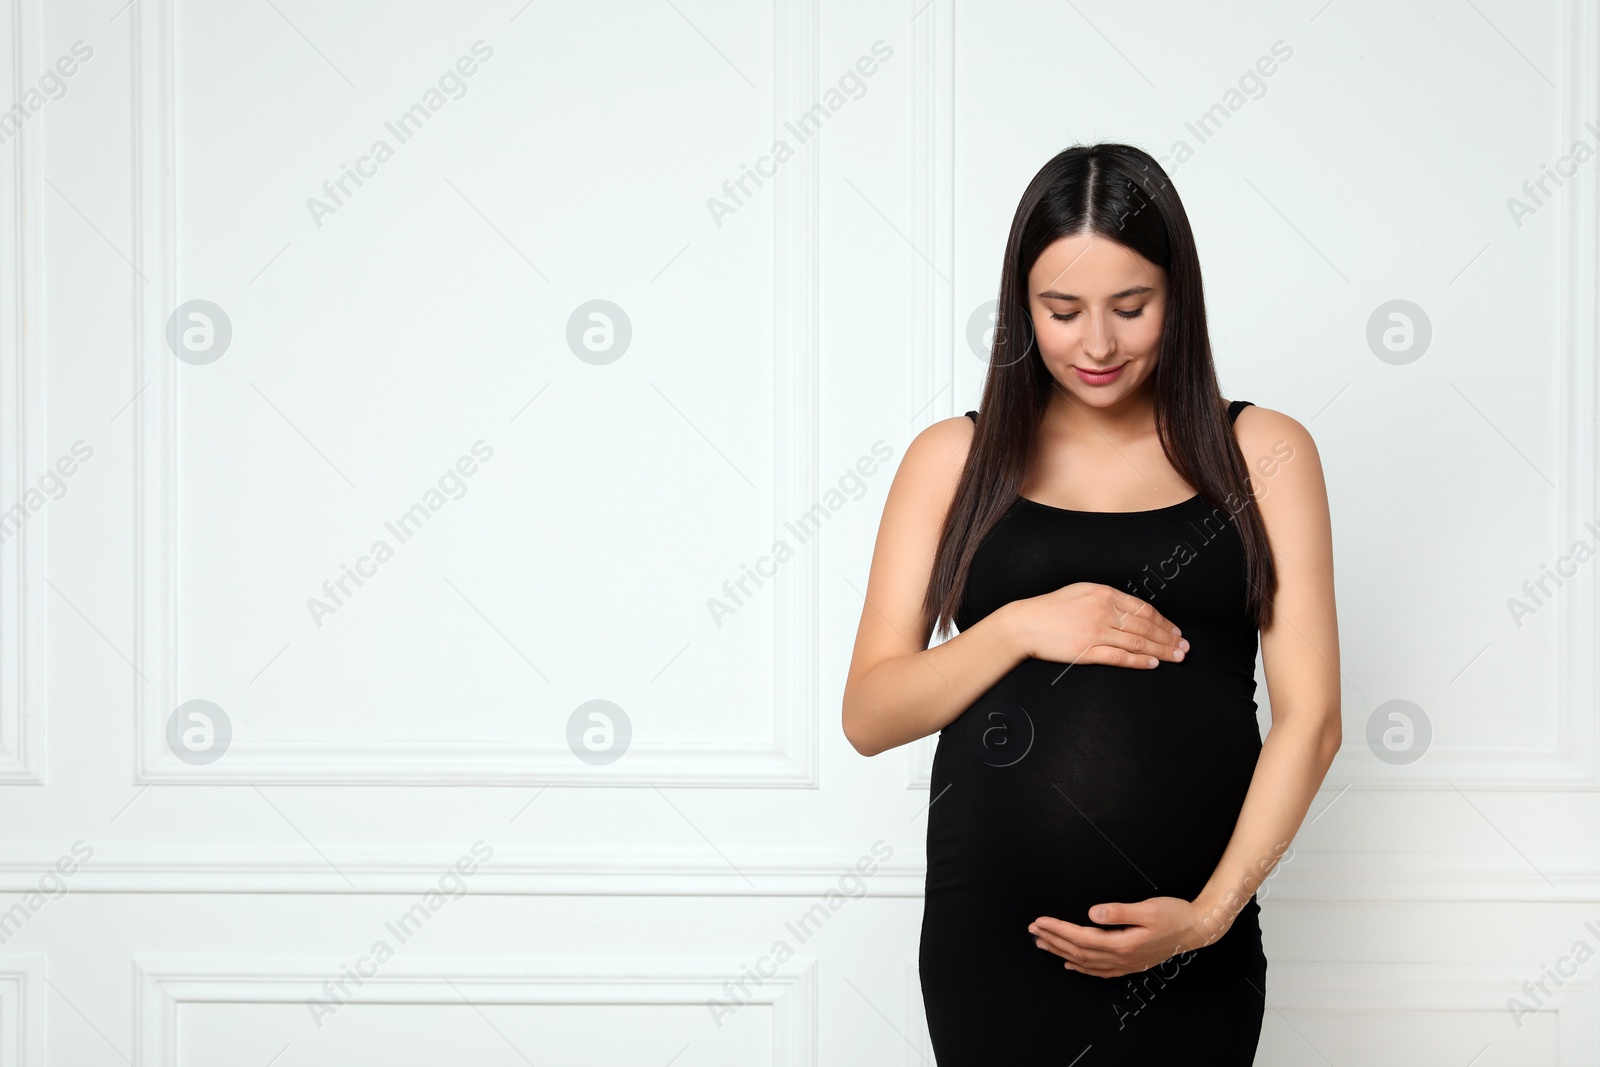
(767, 364)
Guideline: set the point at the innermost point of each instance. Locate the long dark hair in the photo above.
(1120, 193)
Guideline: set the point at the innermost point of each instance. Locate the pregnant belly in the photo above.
(1056, 792)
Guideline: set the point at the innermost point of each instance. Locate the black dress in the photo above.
(1062, 788)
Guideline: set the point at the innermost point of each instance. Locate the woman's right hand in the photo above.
(1087, 622)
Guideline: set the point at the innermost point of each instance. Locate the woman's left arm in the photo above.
(1300, 652)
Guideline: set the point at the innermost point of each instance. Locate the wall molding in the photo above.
(800, 871)
(788, 759)
(22, 1024)
(932, 328)
(162, 983)
(1314, 986)
(22, 675)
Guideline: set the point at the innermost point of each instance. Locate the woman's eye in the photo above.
(1125, 314)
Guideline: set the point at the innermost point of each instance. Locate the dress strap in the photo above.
(973, 415)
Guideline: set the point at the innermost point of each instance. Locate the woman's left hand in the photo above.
(1151, 932)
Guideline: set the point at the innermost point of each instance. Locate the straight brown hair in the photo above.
(1120, 193)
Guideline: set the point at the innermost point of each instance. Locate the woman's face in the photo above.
(1097, 309)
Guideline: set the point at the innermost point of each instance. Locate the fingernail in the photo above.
(1176, 630)
(1184, 644)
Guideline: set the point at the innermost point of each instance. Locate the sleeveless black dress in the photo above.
(1062, 788)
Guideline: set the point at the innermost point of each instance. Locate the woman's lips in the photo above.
(1101, 378)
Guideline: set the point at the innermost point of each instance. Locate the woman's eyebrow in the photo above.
(1137, 290)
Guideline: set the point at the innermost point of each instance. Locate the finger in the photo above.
(1083, 937)
(1140, 617)
(1143, 635)
(1164, 624)
(1099, 967)
(1111, 649)
(1117, 656)
(1143, 610)
(1154, 647)
(1073, 953)
(1114, 655)
(1121, 914)
(1152, 628)
(1053, 944)
(1092, 955)
(1140, 636)
(1093, 970)
(1120, 651)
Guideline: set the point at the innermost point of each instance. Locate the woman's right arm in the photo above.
(898, 689)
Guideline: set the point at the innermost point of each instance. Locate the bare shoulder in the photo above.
(931, 467)
(950, 437)
(1285, 468)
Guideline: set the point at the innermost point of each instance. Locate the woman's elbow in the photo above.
(852, 734)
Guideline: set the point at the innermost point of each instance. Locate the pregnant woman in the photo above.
(1113, 540)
